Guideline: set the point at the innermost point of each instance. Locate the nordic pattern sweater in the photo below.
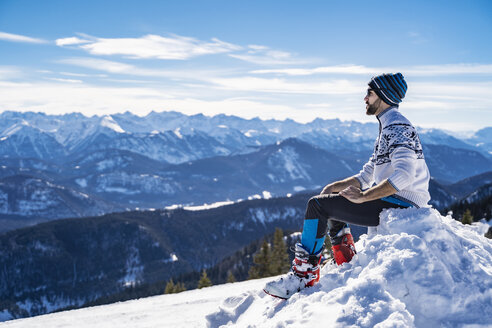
(398, 157)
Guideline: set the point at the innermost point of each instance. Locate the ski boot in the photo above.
(343, 246)
(304, 273)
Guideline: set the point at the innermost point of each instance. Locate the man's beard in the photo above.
(373, 108)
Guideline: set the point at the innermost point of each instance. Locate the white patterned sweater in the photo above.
(398, 157)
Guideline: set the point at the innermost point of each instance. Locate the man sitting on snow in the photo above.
(396, 176)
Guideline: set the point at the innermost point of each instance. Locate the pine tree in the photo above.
(279, 262)
(261, 267)
(170, 287)
(230, 277)
(204, 280)
(179, 287)
(467, 217)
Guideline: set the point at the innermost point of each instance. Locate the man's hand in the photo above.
(354, 194)
(340, 185)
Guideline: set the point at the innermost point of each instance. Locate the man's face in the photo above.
(372, 102)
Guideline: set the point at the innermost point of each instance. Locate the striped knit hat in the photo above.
(391, 88)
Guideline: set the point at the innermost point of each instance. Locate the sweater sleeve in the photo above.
(366, 175)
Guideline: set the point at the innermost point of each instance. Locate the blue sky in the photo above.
(272, 59)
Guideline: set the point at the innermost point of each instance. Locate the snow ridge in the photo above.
(419, 270)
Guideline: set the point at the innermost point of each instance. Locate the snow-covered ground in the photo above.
(418, 269)
(187, 309)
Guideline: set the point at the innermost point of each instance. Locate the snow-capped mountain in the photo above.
(25, 195)
(439, 137)
(482, 139)
(22, 140)
(419, 270)
(176, 138)
(159, 159)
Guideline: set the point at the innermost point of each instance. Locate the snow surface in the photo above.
(187, 309)
(200, 207)
(419, 270)
(416, 269)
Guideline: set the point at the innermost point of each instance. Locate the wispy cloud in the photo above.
(150, 46)
(102, 65)
(276, 85)
(65, 80)
(467, 101)
(82, 74)
(62, 98)
(338, 69)
(416, 37)
(70, 41)
(176, 47)
(423, 70)
(115, 67)
(263, 55)
(19, 38)
(451, 69)
(10, 73)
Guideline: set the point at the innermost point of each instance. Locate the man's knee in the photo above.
(313, 209)
(313, 202)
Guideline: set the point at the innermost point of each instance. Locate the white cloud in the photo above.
(97, 100)
(151, 46)
(456, 92)
(454, 69)
(416, 37)
(175, 47)
(423, 70)
(257, 47)
(102, 65)
(339, 69)
(263, 55)
(70, 41)
(430, 105)
(82, 74)
(276, 85)
(10, 73)
(20, 38)
(65, 80)
(115, 67)
(319, 105)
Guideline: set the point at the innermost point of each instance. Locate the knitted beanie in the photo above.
(391, 88)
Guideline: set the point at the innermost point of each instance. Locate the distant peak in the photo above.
(16, 128)
(178, 134)
(108, 122)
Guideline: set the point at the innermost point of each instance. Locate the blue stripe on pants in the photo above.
(309, 240)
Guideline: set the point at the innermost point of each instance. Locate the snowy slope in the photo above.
(418, 269)
(187, 309)
(421, 270)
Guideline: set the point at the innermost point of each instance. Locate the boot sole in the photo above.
(276, 296)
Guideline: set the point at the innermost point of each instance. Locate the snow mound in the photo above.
(419, 269)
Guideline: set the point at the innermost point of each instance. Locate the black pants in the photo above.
(333, 213)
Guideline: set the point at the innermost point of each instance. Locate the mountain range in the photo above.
(59, 166)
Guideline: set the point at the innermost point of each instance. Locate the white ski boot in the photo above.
(305, 273)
